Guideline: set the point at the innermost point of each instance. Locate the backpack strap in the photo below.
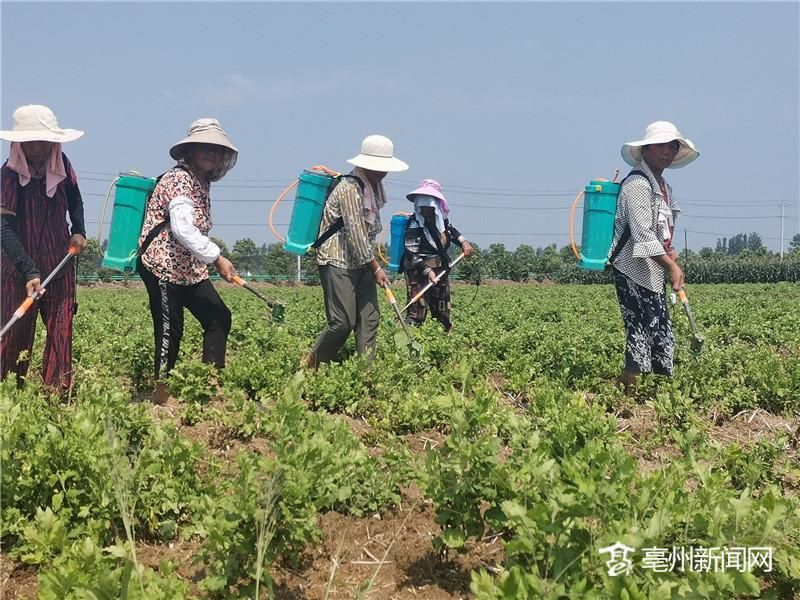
(439, 249)
(626, 234)
(153, 233)
(338, 224)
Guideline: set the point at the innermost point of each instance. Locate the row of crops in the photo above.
(530, 451)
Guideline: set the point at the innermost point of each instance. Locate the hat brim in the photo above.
(59, 136)
(378, 163)
(632, 151)
(425, 191)
(203, 137)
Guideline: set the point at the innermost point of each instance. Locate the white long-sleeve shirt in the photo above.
(181, 221)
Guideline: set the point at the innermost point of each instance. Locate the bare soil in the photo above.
(382, 556)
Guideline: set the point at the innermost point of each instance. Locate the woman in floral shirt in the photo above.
(175, 249)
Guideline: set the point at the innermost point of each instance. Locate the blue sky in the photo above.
(514, 107)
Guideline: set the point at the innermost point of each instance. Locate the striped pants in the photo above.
(57, 307)
(437, 299)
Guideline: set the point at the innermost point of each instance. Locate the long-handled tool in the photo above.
(697, 339)
(413, 346)
(277, 308)
(28, 302)
(421, 293)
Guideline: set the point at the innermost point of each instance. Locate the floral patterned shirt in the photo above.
(166, 257)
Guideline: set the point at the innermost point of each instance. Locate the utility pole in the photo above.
(685, 245)
(781, 238)
(685, 251)
(298, 269)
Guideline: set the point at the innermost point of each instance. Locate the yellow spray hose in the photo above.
(289, 188)
(572, 219)
(572, 225)
(103, 211)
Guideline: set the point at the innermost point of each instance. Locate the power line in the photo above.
(685, 216)
(270, 200)
(460, 205)
(396, 183)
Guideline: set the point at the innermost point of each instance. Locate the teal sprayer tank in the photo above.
(309, 202)
(398, 227)
(130, 201)
(599, 210)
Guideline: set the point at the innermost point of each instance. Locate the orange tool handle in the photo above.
(23, 308)
(682, 296)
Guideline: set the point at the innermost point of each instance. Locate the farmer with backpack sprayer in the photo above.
(175, 250)
(348, 269)
(641, 251)
(39, 188)
(428, 236)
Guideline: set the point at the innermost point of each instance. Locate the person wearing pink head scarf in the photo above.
(429, 234)
(39, 189)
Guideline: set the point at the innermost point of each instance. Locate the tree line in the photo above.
(742, 258)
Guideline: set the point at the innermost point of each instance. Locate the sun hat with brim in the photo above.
(377, 154)
(428, 187)
(207, 131)
(661, 132)
(203, 131)
(37, 123)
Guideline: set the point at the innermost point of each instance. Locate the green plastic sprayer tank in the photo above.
(599, 209)
(309, 202)
(130, 201)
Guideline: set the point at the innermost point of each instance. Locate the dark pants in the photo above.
(167, 301)
(650, 343)
(351, 305)
(57, 307)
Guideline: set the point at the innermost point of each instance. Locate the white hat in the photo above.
(207, 131)
(37, 123)
(377, 154)
(661, 132)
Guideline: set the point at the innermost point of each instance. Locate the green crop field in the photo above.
(500, 463)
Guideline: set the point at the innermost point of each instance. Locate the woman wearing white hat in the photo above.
(642, 249)
(175, 250)
(348, 269)
(39, 188)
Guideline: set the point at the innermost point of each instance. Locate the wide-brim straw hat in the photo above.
(377, 154)
(661, 132)
(207, 131)
(37, 123)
